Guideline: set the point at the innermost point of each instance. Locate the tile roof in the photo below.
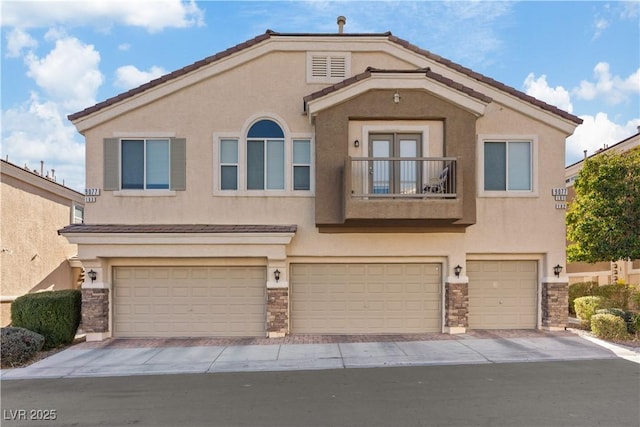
(269, 34)
(426, 71)
(176, 228)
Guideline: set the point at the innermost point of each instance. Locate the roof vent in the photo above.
(341, 21)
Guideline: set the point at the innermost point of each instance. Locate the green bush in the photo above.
(17, 345)
(577, 290)
(586, 307)
(633, 325)
(617, 295)
(53, 314)
(615, 311)
(609, 327)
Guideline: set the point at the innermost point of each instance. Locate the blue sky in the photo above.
(59, 57)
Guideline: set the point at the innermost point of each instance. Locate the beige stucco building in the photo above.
(33, 256)
(322, 184)
(604, 273)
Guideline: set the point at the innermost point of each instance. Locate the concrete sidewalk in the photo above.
(79, 361)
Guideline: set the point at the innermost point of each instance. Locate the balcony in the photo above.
(403, 188)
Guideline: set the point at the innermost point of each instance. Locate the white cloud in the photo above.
(540, 89)
(596, 132)
(153, 15)
(124, 47)
(17, 40)
(69, 74)
(613, 89)
(37, 130)
(600, 25)
(129, 76)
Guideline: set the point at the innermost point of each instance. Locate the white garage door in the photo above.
(365, 298)
(503, 294)
(189, 301)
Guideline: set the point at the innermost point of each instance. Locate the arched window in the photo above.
(265, 156)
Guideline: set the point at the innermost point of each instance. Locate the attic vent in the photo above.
(327, 67)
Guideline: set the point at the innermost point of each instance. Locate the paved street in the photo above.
(570, 393)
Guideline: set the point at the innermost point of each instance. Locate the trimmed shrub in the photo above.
(615, 311)
(53, 314)
(17, 345)
(577, 290)
(609, 327)
(586, 307)
(633, 325)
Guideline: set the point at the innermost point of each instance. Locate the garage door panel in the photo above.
(189, 301)
(365, 298)
(502, 294)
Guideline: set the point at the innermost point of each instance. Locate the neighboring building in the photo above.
(322, 184)
(602, 272)
(33, 256)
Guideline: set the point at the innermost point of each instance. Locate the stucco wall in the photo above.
(34, 256)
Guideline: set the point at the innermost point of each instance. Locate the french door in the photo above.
(388, 172)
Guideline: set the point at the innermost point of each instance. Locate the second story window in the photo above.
(507, 166)
(265, 156)
(145, 164)
(301, 164)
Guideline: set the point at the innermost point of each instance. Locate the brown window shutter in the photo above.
(178, 164)
(111, 164)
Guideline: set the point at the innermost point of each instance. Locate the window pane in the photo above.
(228, 151)
(132, 164)
(301, 178)
(158, 164)
(302, 151)
(255, 165)
(275, 165)
(265, 129)
(519, 166)
(495, 166)
(229, 178)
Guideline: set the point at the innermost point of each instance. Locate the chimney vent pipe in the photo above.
(341, 21)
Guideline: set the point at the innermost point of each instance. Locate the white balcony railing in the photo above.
(403, 177)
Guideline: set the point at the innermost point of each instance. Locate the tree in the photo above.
(603, 221)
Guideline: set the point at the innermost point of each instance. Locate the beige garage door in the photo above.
(503, 294)
(365, 298)
(189, 301)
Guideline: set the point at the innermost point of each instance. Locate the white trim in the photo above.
(535, 177)
(281, 284)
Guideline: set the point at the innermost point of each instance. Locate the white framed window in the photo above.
(508, 166)
(228, 164)
(328, 67)
(265, 159)
(301, 165)
(265, 156)
(77, 214)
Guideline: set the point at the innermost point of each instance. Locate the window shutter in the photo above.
(111, 164)
(178, 164)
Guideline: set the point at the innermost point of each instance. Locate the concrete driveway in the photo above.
(154, 357)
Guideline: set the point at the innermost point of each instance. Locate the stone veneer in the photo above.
(277, 312)
(555, 305)
(95, 310)
(456, 304)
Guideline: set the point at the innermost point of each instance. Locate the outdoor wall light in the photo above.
(457, 270)
(276, 275)
(92, 275)
(557, 270)
(356, 143)
(396, 97)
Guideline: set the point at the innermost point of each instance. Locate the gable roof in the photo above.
(270, 34)
(424, 71)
